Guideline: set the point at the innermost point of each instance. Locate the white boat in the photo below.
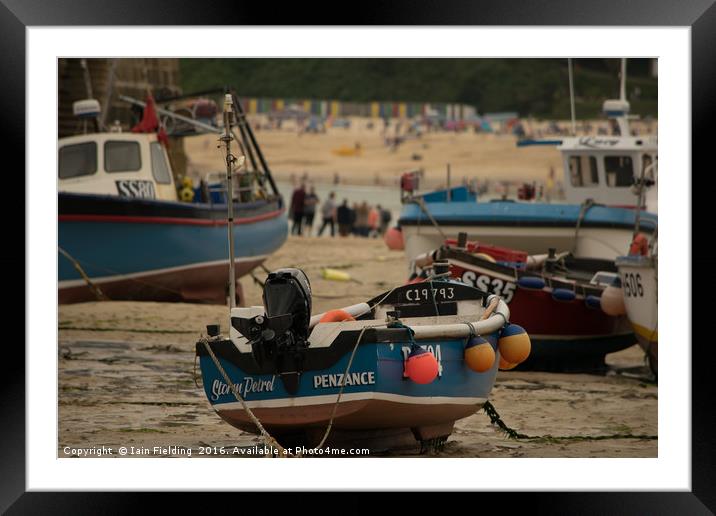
(597, 220)
(639, 277)
(639, 274)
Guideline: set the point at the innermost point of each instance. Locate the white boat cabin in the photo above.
(604, 168)
(114, 163)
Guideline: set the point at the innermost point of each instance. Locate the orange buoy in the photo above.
(514, 344)
(612, 301)
(505, 365)
(336, 316)
(639, 246)
(394, 239)
(421, 366)
(479, 355)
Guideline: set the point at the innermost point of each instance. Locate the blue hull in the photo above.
(141, 250)
(507, 213)
(376, 395)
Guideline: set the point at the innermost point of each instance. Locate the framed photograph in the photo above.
(352, 153)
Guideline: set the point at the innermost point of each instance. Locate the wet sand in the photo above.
(126, 379)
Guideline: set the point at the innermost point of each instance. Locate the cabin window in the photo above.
(160, 170)
(583, 170)
(78, 160)
(619, 170)
(122, 156)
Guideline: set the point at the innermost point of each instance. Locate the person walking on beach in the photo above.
(309, 210)
(361, 223)
(344, 217)
(385, 218)
(373, 221)
(328, 212)
(297, 200)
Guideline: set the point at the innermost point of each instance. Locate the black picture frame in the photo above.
(700, 16)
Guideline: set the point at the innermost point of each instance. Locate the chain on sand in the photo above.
(511, 433)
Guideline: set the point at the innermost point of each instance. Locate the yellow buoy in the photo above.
(514, 344)
(479, 355)
(186, 194)
(335, 275)
(505, 365)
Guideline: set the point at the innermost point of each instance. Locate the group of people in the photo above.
(359, 219)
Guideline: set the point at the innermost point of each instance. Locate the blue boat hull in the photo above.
(376, 395)
(157, 250)
(604, 231)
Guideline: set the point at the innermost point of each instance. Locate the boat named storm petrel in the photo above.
(124, 234)
(354, 370)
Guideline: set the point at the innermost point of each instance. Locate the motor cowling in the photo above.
(279, 338)
(288, 291)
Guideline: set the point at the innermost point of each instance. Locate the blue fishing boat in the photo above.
(587, 230)
(404, 366)
(127, 232)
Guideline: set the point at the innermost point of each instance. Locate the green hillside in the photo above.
(537, 87)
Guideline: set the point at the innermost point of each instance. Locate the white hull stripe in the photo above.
(120, 277)
(329, 399)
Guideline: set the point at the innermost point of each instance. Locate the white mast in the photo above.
(622, 77)
(571, 97)
(230, 159)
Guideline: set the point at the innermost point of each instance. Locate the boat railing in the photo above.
(216, 184)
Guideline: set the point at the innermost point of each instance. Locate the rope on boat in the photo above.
(582, 212)
(94, 288)
(268, 439)
(343, 383)
(511, 433)
(421, 203)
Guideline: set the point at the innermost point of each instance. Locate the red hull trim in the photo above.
(167, 220)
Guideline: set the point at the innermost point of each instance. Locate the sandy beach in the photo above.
(470, 155)
(481, 156)
(126, 375)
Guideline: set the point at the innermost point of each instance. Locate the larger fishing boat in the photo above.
(597, 221)
(124, 233)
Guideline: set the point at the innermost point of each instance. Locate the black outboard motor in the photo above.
(288, 291)
(281, 336)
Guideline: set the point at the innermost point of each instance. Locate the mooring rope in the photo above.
(269, 440)
(343, 383)
(94, 288)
